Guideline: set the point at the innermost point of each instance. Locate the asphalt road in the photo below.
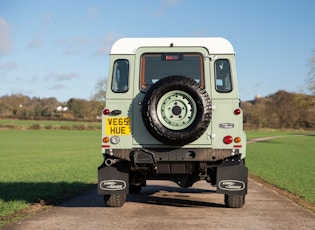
(163, 205)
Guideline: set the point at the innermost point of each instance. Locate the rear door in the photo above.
(157, 63)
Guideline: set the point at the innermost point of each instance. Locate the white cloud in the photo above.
(74, 41)
(35, 78)
(46, 21)
(7, 66)
(71, 52)
(92, 13)
(168, 3)
(258, 84)
(74, 45)
(5, 42)
(61, 76)
(106, 43)
(164, 6)
(57, 87)
(14, 90)
(37, 42)
(44, 25)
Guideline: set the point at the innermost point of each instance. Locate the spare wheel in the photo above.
(176, 110)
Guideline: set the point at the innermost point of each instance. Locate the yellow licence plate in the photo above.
(117, 126)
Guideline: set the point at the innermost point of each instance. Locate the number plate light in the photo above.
(115, 140)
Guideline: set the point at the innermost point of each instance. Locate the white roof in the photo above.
(215, 45)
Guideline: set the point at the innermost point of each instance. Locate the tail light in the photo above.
(228, 139)
(106, 111)
(237, 111)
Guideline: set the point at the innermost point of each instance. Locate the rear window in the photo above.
(155, 66)
(223, 76)
(120, 81)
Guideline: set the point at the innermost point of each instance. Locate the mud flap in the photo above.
(113, 179)
(232, 179)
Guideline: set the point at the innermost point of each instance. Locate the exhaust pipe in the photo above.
(109, 161)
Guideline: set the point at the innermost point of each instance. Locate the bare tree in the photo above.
(100, 90)
(311, 74)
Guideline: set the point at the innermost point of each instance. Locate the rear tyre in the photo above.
(115, 200)
(234, 201)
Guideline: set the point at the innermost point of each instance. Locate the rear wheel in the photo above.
(115, 200)
(234, 201)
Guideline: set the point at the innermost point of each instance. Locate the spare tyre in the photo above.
(176, 110)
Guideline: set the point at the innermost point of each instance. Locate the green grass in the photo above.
(35, 124)
(49, 166)
(252, 134)
(288, 163)
(45, 166)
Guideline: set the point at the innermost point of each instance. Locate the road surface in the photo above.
(163, 205)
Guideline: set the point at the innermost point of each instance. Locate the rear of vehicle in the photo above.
(172, 112)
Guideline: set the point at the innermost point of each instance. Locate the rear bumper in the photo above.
(225, 168)
(168, 154)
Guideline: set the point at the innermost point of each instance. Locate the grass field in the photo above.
(273, 133)
(49, 166)
(48, 125)
(288, 163)
(39, 166)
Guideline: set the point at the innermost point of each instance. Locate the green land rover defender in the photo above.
(172, 113)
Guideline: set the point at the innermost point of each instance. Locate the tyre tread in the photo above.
(115, 200)
(234, 201)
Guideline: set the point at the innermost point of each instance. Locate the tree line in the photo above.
(25, 107)
(280, 110)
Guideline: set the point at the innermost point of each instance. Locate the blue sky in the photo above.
(60, 48)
